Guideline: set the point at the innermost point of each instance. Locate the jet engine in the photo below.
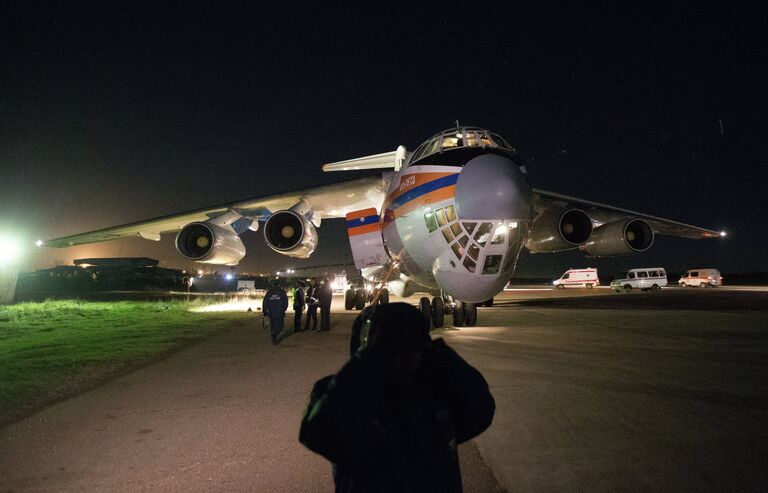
(619, 238)
(210, 243)
(558, 231)
(290, 233)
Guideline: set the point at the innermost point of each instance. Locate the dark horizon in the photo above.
(112, 115)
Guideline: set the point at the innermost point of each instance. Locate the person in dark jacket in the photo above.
(298, 306)
(274, 306)
(312, 304)
(325, 297)
(391, 419)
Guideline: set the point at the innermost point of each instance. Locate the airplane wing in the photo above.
(328, 201)
(602, 214)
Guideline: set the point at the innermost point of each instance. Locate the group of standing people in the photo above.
(316, 296)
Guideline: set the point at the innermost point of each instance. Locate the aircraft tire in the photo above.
(488, 303)
(384, 297)
(459, 314)
(425, 308)
(438, 313)
(349, 299)
(359, 299)
(470, 317)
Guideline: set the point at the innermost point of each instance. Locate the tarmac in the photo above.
(594, 390)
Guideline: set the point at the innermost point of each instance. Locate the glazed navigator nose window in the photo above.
(492, 264)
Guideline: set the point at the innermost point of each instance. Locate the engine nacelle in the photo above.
(290, 233)
(210, 243)
(619, 238)
(554, 232)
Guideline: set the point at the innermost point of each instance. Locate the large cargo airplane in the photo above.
(451, 219)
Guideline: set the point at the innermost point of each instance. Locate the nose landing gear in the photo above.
(463, 313)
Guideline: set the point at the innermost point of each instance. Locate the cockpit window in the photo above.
(452, 141)
(459, 137)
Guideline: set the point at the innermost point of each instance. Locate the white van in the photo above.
(643, 279)
(578, 278)
(704, 278)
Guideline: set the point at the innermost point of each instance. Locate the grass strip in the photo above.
(53, 349)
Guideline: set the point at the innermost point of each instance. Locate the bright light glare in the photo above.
(722, 234)
(340, 283)
(241, 305)
(229, 277)
(10, 251)
(39, 243)
(499, 230)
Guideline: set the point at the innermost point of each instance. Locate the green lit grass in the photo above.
(50, 350)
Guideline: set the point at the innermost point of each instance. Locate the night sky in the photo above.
(113, 113)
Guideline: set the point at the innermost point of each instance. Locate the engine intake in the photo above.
(210, 243)
(554, 232)
(290, 233)
(619, 238)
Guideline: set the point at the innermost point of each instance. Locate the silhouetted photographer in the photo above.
(390, 420)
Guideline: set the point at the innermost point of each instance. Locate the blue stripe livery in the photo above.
(363, 221)
(433, 185)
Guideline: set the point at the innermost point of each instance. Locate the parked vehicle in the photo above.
(704, 278)
(644, 279)
(577, 278)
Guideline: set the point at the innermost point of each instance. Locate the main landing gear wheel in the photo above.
(384, 296)
(349, 299)
(425, 308)
(459, 314)
(360, 299)
(438, 315)
(470, 314)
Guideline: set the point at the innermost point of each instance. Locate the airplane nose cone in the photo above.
(492, 187)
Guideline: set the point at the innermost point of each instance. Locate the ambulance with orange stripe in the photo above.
(449, 219)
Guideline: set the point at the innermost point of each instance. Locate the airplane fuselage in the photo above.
(458, 220)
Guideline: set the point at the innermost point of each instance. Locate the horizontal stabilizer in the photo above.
(390, 160)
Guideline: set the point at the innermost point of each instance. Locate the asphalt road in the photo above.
(595, 391)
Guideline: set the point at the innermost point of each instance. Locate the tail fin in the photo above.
(394, 160)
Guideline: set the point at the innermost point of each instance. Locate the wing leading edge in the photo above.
(602, 214)
(328, 201)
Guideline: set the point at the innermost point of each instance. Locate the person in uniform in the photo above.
(325, 296)
(312, 304)
(274, 306)
(298, 306)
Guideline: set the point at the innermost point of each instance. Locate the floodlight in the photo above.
(10, 251)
